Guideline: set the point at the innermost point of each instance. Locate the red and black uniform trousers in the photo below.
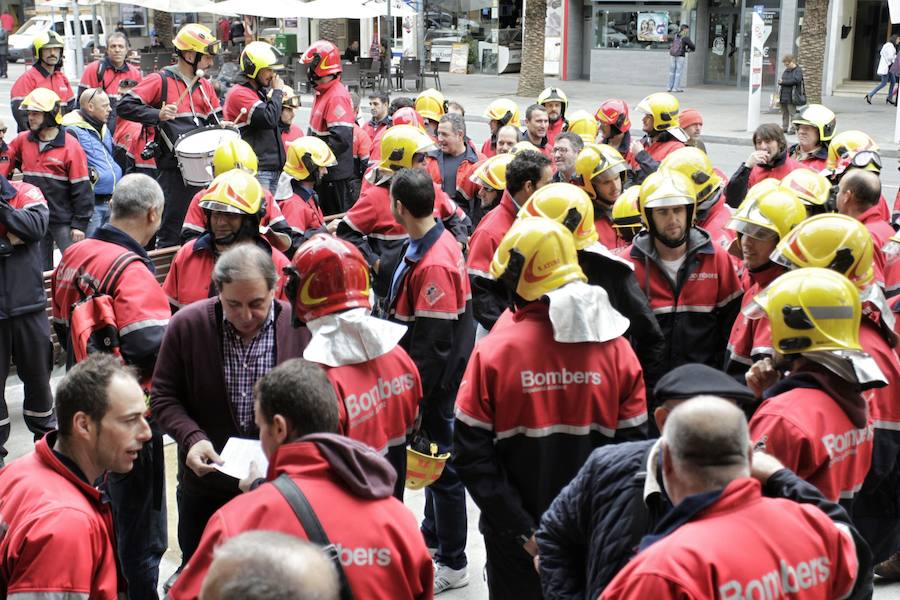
(24, 328)
(198, 108)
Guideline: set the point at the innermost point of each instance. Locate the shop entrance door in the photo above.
(722, 58)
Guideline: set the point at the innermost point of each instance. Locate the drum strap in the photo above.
(164, 95)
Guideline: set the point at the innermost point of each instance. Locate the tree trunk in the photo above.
(162, 22)
(531, 75)
(329, 29)
(812, 47)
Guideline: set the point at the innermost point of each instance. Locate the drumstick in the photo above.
(188, 88)
(238, 118)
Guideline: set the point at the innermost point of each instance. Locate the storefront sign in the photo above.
(718, 46)
(757, 39)
(459, 59)
(653, 26)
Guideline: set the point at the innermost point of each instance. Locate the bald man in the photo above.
(859, 194)
(786, 548)
(267, 565)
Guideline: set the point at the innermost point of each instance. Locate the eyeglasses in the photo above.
(94, 93)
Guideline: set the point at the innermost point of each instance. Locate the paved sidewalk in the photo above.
(724, 108)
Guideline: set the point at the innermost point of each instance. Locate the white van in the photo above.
(20, 43)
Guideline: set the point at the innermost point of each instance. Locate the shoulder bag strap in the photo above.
(311, 525)
(115, 272)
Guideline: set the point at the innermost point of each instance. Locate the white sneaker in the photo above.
(446, 578)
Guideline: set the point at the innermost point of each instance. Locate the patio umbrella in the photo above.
(275, 9)
(179, 6)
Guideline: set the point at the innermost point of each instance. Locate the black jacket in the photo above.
(790, 79)
(594, 526)
(21, 266)
(259, 128)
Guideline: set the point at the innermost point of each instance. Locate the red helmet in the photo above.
(614, 112)
(323, 59)
(328, 275)
(408, 116)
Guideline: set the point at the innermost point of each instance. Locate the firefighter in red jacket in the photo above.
(689, 281)
(55, 163)
(817, 420)
(46, 72)
(452, 163)
(370, 225)
(769, 160)
(526, 173)
(331, 119)
(712, 212)
(431, 106)
(141, 314)
(160, 100)
(234, 205)
(601, 171)
(347, 485)
(238, 154)
(849, 151)
(254, 105)
(787, 549)
(109, 73)
(500, 113)
(662, 133)
(555, 102)
(23, 318)
(535, 130)
(540, 392)
(376, 382)
(813, 189)
(308, 160)
(429, 292)
(858, 196)
(615, 128)
(815, 128)
(290, 102)
(56, 527)
(760, 222)
(842, 244)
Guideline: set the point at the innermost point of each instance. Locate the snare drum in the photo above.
(194, 152)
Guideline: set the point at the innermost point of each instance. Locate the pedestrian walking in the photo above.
(681, 45)
(791, 92)
(4, 51)
(886, 57)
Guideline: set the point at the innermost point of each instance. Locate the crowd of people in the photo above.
(654, 380)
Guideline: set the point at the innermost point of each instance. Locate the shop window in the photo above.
(479, 23)
(636, 27)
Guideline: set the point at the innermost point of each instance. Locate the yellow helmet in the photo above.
(522, 146)
(666, 188)
(424, 463)
(536, 256)
(491, 173)
(831, 241)
(289, 98)
(235, 154)
(583, 124)
(306, 155)
(768, 217)
(47, 39)
(554, 94)
(812, 310)
(820, 117)
(236, 192)
(568, 205)
(844, 147)
(504, 111)
(695, 164)
(810, 186)
(431, 104)
(45, 101)
(258, 56)
(596, 159)
(194, 37)
(399, 144)
(625, 210)
(664, 107)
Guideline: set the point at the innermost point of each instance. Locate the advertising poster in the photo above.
(653, 26)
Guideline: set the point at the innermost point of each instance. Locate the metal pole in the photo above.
(420, 35)
(76, 38)
(95, 27)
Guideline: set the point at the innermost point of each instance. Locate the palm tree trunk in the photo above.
(531, 75)
(162, 22)
(812, 47)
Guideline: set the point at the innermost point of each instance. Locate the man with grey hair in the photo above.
(268, 565)
(88, 125)
(786, 549)
(565, 150)
(453, 162)
(110, 73)
(507, 137)
(114, 260)
(213, 353)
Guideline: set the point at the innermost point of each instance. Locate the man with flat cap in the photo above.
(621, 491)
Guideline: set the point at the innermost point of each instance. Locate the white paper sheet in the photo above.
(237, 454)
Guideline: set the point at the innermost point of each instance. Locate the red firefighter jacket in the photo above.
(195, 218)
(331, 119)
(37, 77)
(530, 410)
(751, 339)
(259, 124)
(60, 540)
(376, 537)
(788, 550)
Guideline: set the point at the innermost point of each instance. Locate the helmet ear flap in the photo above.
(573, 218)
(843, 260)
(311, 168)
(513, 272)
(291, 283)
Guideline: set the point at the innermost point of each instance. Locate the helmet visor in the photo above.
(754, 230)
(865, 159)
